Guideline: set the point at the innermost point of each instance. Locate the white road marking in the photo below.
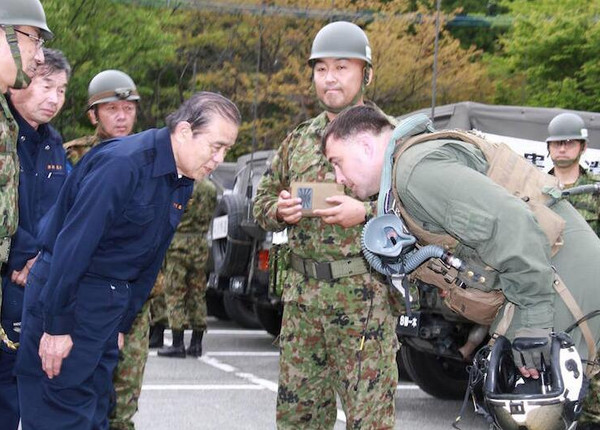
(271, 386)
(265, 383)
(226, 331)
(255, 383)
(218, 364)
(243, 354)
(153, 353)
(201, 387)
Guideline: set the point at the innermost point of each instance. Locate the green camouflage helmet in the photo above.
(567, 126)
(24, 12)
(110, 86)
(340, 39)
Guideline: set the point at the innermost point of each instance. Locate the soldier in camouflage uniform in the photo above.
(567, 142)
(23, 30)
(338, 328)
(185, 278)
(112, 107)
(158, 312)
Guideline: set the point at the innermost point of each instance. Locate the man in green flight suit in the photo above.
(23, 30)
(567, 142)
(338, 329)
(112, 108)
(444, 189)
(184, 272)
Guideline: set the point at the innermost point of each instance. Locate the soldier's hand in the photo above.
(121, 341)
(289, 209)
(536, 348)
(347, 211)
(53, 350)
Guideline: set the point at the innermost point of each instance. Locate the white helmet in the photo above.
(552, 402)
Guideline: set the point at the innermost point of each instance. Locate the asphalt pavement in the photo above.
(234, 386)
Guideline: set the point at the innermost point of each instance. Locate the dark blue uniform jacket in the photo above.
(114, 219)
(42, 175)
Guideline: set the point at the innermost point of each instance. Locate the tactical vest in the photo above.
(507, 169)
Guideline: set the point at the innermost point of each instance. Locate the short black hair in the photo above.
(354, 120)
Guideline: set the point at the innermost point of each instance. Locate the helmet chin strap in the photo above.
(22, 80)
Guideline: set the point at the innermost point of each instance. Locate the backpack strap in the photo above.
(562, 290)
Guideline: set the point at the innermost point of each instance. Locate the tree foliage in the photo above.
(104, 35)
(259, 60)
(550, 56)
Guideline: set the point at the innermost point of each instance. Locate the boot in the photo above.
(177, 349)
(195, 349)
(156, 336)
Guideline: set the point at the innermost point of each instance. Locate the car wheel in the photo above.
(231, 253)
(215, 306)
(269, 317)
(441, 377)
(240, 309)
(402, 372)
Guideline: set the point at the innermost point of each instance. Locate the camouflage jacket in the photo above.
(190, 238)
(299, 158)
(587, 205)
(9, 176)
(77, 148)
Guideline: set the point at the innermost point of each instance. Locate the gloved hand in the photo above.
(535, 344)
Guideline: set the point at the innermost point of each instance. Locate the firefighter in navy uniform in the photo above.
(102, 247)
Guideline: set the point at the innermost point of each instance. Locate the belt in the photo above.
(328, 270)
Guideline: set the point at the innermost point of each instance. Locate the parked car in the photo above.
(240, 251)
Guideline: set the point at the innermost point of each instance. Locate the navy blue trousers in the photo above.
(12, 304)
(78, 398)
(9, 398)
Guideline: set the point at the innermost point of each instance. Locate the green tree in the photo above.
(403, 50)
(255, 53)
(105, 35)
(550, 56)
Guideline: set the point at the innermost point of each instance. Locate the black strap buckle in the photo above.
(320, 271)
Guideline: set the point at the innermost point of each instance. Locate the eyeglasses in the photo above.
(568, 144)
(39, 41)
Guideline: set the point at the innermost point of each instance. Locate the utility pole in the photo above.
(435, 59)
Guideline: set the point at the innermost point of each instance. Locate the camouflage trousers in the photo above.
(591, 406)
(158, 307)
(185, 292)
(322, 352)
(128, 376)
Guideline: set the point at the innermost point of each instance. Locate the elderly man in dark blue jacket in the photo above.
(42, 175)
(102, 247)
